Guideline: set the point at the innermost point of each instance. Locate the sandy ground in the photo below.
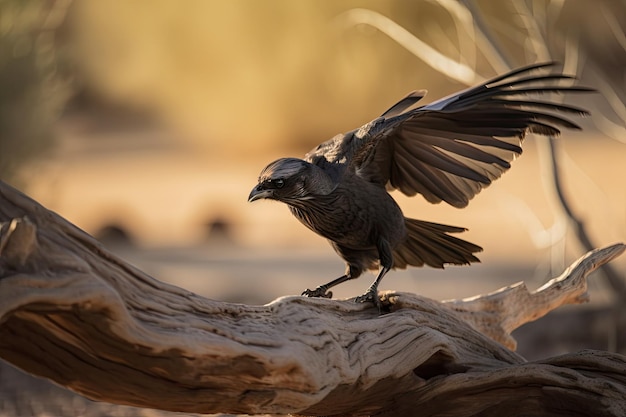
(260, 276)
(164, 197)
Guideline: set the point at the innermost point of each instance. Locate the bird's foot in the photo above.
(321, 292)
(371, 296)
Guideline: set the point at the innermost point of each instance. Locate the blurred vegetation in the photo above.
(31, 90)
(243, 76)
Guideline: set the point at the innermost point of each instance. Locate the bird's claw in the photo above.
(320, 292)
(371, 296)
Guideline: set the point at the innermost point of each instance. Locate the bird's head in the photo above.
(289, 180)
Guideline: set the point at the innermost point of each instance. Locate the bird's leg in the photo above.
(372, 292)
(386, 263)
(322, 291)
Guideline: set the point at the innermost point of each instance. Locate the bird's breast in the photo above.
(353, 215)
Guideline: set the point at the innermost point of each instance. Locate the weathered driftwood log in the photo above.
(74, 313)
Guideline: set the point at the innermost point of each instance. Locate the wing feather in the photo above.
(451, 149)
(439, 160)
(408, 101)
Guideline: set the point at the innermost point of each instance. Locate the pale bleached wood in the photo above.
(498, 313)
(73, 312)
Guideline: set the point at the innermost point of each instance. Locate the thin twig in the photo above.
(614, 279)
(440, 62)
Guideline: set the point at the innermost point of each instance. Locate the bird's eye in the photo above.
(275, 183)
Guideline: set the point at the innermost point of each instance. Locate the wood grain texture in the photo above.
(74, 313)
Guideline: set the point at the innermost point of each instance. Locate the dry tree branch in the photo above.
(74, 313)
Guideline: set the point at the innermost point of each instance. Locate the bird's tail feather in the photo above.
(431, 244)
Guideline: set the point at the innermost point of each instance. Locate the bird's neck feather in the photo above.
(319, 181)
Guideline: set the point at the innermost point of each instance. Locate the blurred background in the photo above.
(147, 123)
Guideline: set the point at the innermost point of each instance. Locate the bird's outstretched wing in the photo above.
(451, 149)
(337, 153)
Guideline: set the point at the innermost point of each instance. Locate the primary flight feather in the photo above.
(448, 150)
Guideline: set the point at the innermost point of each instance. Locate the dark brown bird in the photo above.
(448, 150)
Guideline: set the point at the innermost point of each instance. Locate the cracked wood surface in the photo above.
(72, 312)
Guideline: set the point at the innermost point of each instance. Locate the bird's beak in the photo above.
(258, 193)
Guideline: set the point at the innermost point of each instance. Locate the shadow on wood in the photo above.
(72, 312)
